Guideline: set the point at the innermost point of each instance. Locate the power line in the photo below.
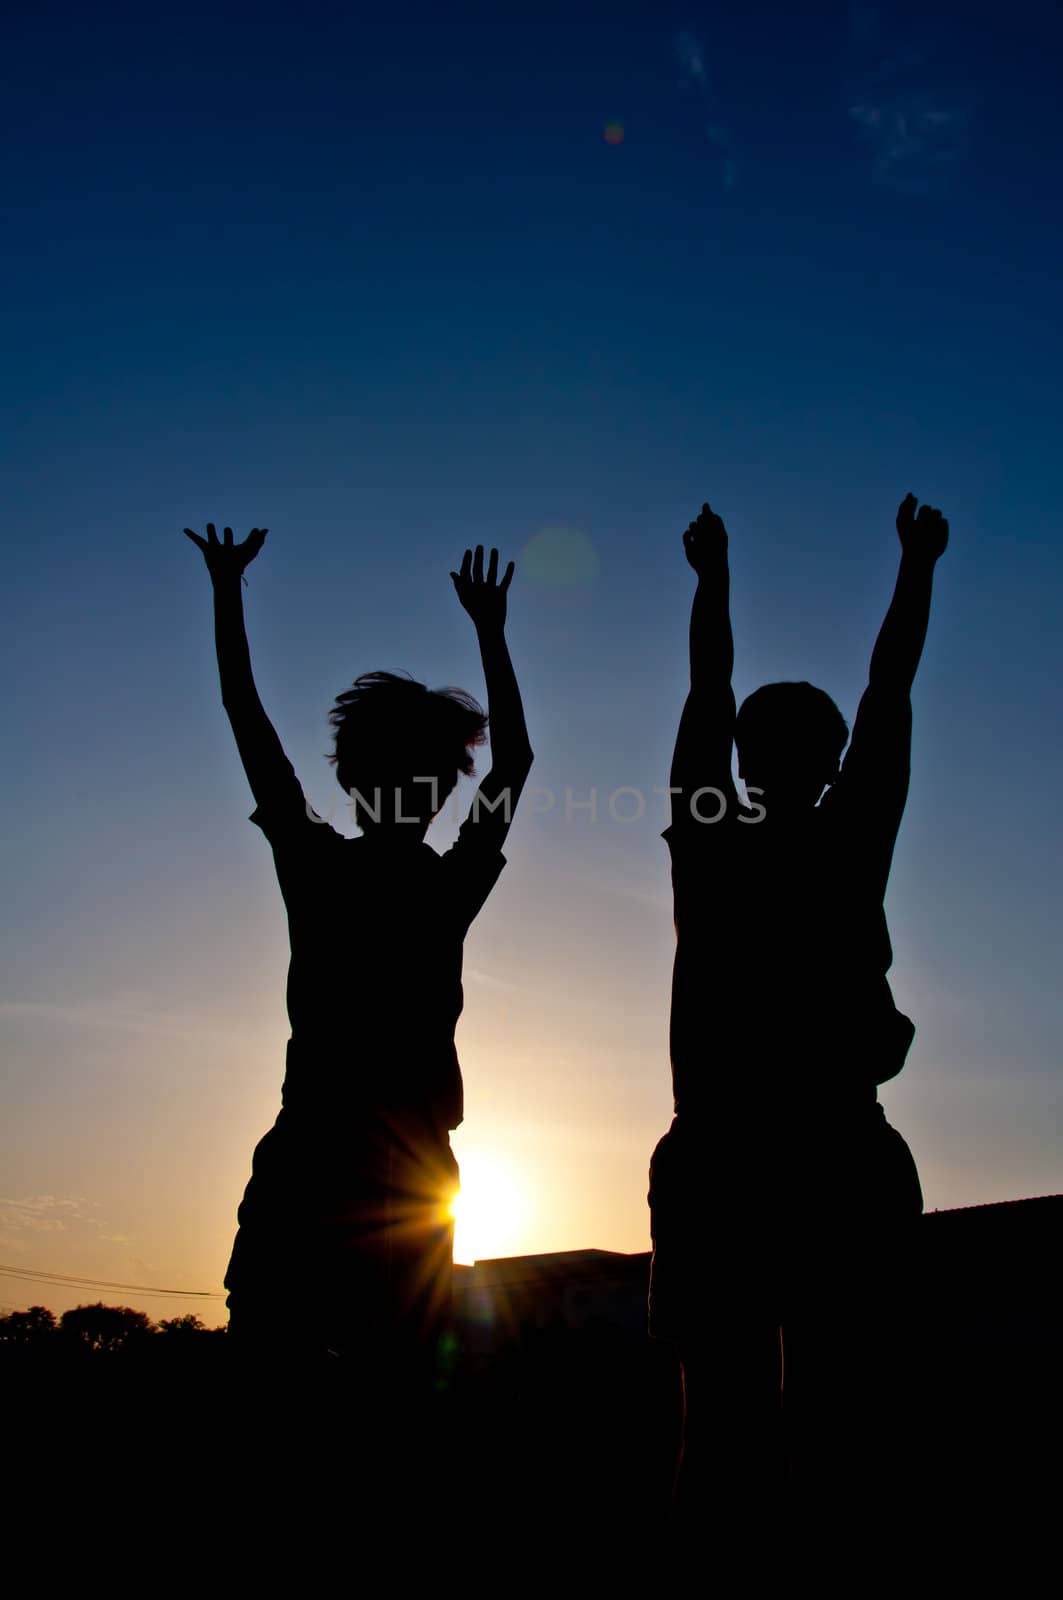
(63, 1280)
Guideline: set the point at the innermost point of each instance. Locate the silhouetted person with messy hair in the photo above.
(780, 1197)
(348, 1201)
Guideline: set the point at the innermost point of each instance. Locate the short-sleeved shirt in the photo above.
(374, 984)
(780, 999)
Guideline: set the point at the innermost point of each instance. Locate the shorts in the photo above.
(750, 1223)
(354, 1225)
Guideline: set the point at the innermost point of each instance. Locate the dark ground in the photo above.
(550, 1454)
(556, 1451)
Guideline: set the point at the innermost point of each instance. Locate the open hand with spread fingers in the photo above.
(224, 558)
(483, 596)
(925, 534)
(705, 541)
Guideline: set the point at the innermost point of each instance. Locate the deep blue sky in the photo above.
(387, 288)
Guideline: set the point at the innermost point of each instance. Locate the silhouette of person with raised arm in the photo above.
(780, 1195)
(347, 1207)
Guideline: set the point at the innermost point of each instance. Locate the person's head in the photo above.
(789, 738)
(400, 748)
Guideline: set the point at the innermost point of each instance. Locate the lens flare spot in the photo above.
(614, 133)
(559, 558)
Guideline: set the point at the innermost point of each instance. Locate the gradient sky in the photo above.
(391, 289)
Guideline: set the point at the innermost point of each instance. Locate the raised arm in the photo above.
(885, 707)
(269, 772)
(702, 757)
(903, 633)
(875, 773)
(484, 598)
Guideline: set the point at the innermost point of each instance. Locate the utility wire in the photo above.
(64, 1280)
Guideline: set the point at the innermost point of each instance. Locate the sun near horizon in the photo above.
(491, 1210)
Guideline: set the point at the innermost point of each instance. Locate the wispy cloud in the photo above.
(487, 980)
(41, 1213)
(64, 1229)
(118, 1014)
(690, 54)
(914, 139)
(904, 98)
(23, 1219)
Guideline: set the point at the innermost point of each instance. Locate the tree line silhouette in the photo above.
(98, 1328)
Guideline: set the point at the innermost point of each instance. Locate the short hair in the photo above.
(791, 718)
(391, 729)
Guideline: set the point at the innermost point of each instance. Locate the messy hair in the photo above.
(389, 728)
(791, 717)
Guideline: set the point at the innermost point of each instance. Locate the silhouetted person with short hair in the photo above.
(780, 1197)
(346, 1214)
